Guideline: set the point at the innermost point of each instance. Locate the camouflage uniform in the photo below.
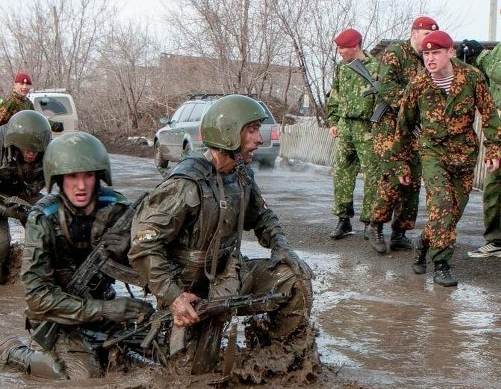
(12, 104)
(448, 147)
(399, 65)
(349, 110)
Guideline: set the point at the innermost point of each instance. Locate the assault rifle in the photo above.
(14, 207)
(96, 266)
(380, 109)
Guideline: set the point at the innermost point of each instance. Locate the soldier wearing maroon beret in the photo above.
(17, 100)
(442, 102)
(399, 65)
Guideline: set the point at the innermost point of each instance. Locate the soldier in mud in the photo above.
(22, 144)
(399, 65)
(349, 110)
(17, 100)
(489, 62)
(443, 100)
(61, 231)
(186, 237)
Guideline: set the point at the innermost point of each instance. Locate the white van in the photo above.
(56, 105)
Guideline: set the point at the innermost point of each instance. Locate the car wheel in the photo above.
(267, 163)
(160, 163)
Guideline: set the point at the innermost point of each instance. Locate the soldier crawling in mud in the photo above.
(22, 144)
(443, 101)
(186, 239)
(61, 231)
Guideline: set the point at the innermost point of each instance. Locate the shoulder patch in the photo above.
(147, 235)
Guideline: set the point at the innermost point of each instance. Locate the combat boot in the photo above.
(366, 231)
(4, 272)
(419, 265)
(442, 275)
(376, 238)
(399, 241)
(343, 228)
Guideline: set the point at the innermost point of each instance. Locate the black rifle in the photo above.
(380, 109)
(97, 264)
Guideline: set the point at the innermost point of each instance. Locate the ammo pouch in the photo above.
(379, 110)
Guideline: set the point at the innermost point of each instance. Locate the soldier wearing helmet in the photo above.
(186, 234)
(22, 144)
(61, 231)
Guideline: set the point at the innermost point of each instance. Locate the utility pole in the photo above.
(493, 16)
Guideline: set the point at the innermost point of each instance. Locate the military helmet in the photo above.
(28, 130)
(223, 121)
(75, 153)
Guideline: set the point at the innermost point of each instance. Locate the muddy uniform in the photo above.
(349, 110)
(12, 104)
(448, 147)
(399, 65)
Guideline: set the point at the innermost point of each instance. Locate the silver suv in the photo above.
(181, 133)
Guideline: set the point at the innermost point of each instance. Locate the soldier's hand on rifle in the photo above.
(404, 180)
(333, 131)
(125, 308)
(183, 311)
(287, 256)
(116, 245)
(492, 165)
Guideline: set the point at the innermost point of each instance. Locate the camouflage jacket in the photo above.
(489, 61)
(347, 98)
(174, 226)
(52, 259)
(13, 104)
(446, 120)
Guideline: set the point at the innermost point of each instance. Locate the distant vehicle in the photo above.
(57, 106)
(181, 133)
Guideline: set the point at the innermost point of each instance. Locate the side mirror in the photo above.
(56, 126)
(164, 120)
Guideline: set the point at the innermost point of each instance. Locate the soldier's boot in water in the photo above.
(343, 228)
(15, 353)
(442, 275)
(376, 238)
(420, 250)
(399, 241)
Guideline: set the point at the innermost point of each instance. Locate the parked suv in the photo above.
(57, 106)
(182, 133)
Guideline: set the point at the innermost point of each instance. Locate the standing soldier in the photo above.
(349, 109)
(399, 65)
(61, 231)
(17, 100)
(443, 101)
(22, 144)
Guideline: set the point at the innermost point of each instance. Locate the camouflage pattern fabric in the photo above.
(448, 146)
(12, 104)
(399, 64)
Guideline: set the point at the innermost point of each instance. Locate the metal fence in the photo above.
(307, 142)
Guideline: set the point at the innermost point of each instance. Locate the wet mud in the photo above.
(378, 324)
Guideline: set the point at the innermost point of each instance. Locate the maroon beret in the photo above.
(348, 38)
(437, 40)
(425, 23)
(23, 78)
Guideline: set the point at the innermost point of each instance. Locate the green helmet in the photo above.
(223, 121)
(28, 130)
(75, 153)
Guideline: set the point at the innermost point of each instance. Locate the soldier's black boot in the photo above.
(342, 229)
(4, 272)
(366, 231)
(443, 276)
(419, 265)
(376, 238)
(399, 241)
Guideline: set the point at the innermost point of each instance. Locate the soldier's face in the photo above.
(436, 61)
(250, 140)
(417, 37)
(348, 54)
(21, 88)
(79, 189)
(29, 155)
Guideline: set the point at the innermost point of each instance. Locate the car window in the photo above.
(186, 113)
(196, 114)
(53, 105)
(177, 114)
(270, 119)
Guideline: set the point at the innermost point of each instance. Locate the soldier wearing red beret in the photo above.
(399, 65)
(442, 102)
(17, 100)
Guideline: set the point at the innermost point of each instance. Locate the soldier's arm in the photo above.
(489, 61)
(5, 111)
(389, 74)
(156, 224)
(46, 300)
(333, 101)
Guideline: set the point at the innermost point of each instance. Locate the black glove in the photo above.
(19, 212)
(281, 253)
(126, 308)
(116, 245)
(468, 51)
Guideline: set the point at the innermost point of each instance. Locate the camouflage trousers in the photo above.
(492, 207)
(447, 193)
(354, 153)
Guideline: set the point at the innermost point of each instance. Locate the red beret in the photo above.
(348, 38)
(23, 78)
(437, 40)
(425, 23)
